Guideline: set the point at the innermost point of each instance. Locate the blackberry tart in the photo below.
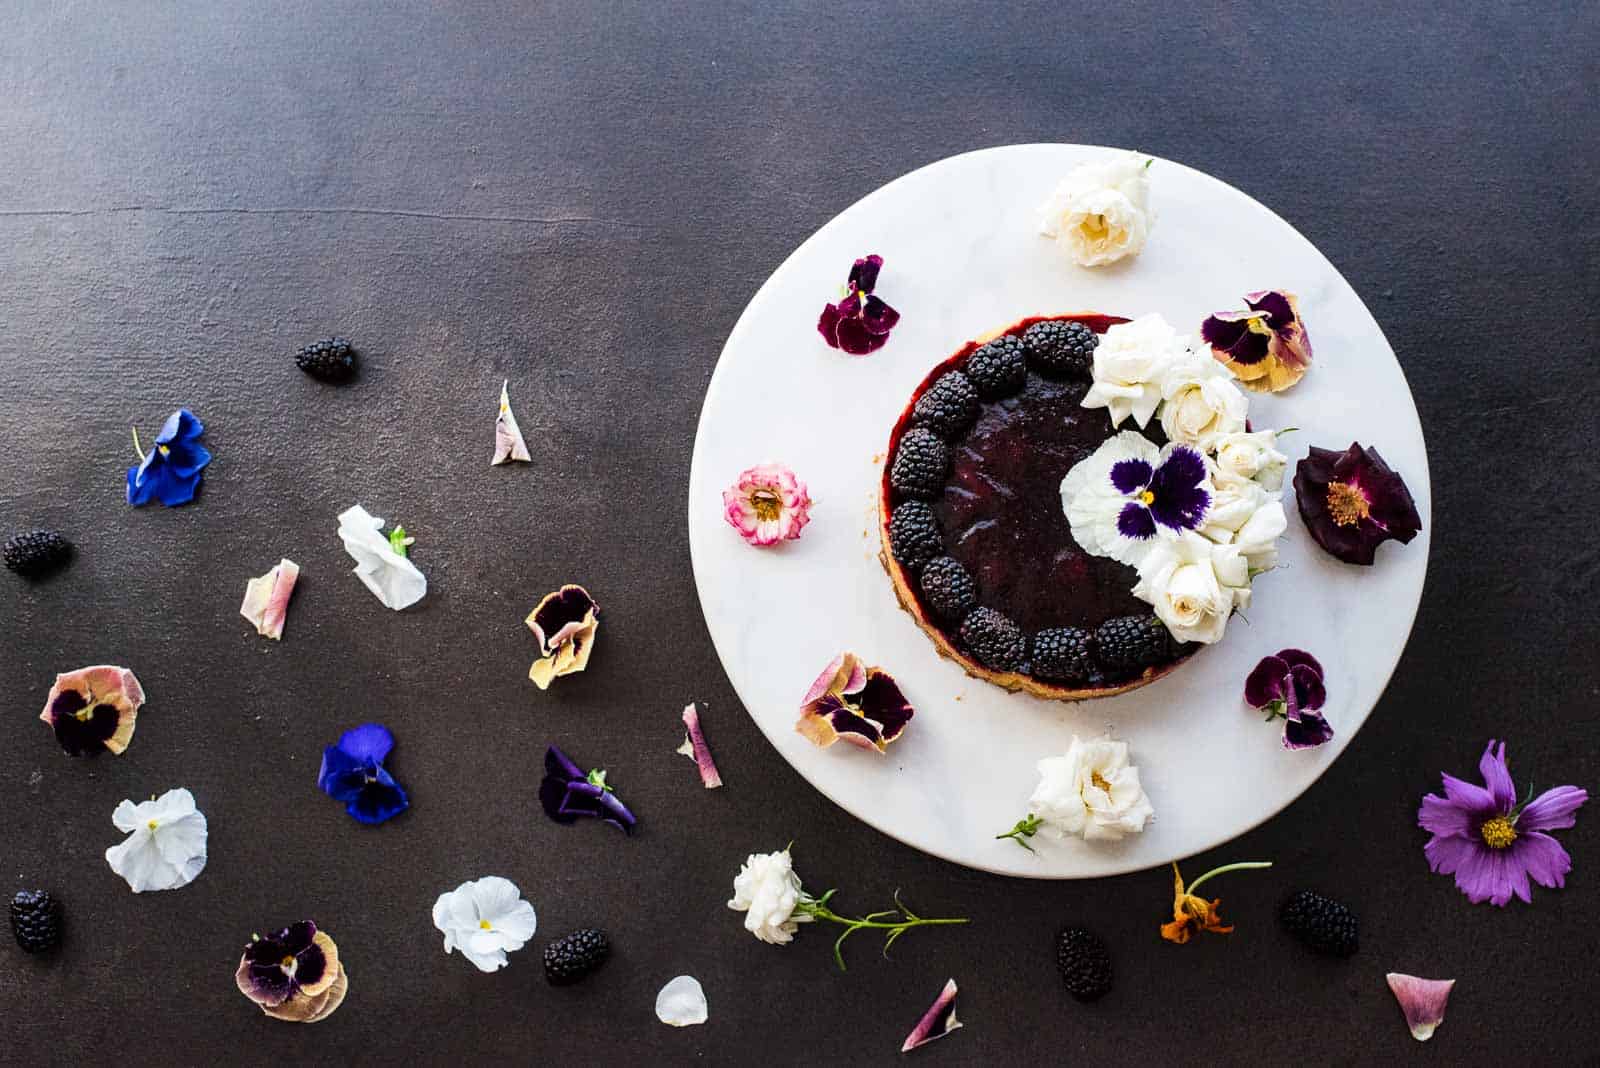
(972, 530)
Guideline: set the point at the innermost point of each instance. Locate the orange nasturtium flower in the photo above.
(1191, 913)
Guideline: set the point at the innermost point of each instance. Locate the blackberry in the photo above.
(566, 960)
(35, 920)
(949, 406)
(36, 552)
(997, 642)
(1060, 347)
(1320, 923)
(914, 534)
(948, 589)
(1132, 642)
(1085, 963)
(331, 359)
(998, 368)
(919, 464)
(1063, 654)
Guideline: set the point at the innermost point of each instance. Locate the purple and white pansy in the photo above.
(1129, 492)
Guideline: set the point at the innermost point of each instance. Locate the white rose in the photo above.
(767, 891)
(1252, 455)
(1131, 363)
(1101, 211)
(1092, 791)
(1246, 516)
(1200, 403)
(1194, 585)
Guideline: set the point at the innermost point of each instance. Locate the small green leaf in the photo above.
(398, 540)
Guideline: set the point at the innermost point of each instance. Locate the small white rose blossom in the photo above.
(1101, 211)
(1253, 455)
(767, 891)
(1092, 791)
(166, 844)
(484, 919)
(1194, 585)
(1131, 363)
(1200, 403)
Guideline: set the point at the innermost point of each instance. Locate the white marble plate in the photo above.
(962, 257)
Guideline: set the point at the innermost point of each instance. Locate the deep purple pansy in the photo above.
(568, 793)
(1169, 494)
(1491, 844)
(353, 772)
(860, 323)
(1352, 502)
(854, 703)
(1264, 344)
(170, 471)
(1289, 684)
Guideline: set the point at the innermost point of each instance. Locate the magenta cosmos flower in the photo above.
(1490, 843)
(1352, 502)
(767, 504)
(860, 323)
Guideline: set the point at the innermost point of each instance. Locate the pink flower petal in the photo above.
(695, 748)
(1422, 1000)
(938, 1021)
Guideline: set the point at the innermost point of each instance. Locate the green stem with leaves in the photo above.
(1026, 828)
(817, 907)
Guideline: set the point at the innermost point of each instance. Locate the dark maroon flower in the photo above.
(1289, 684)
(297, 959)
(1352, 502)
(860, 323)
(568, 793)
(859, 704)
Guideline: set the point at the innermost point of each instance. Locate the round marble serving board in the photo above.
(963, 256)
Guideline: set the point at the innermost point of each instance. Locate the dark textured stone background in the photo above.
(582, 197)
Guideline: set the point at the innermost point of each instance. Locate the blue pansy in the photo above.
(353, 772)
(170, 471)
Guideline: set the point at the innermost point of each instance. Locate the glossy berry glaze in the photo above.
(1000, 513)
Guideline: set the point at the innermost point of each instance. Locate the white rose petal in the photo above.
(485, 919)
(1101, 212)
(1091, 791)
(1200, 403)
(1131, 363)
(392, 578)
(682, 1003)
(767, 891)
(1194, 585)
(166, 844)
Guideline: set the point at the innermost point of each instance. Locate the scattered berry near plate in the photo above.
(569, 959)
(35, 920)
(1084, 962)
(1321, 923)
(36, 553)
(330, 360)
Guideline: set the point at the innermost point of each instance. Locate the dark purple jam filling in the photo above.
(1001, 514)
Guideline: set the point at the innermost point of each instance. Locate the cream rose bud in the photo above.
(1200, 403)
(1253, 455)
(767, 891)
(1130, 364)
(1194, 585)
(1101, 211)
(1091, 791)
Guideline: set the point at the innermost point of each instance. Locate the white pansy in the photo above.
(1101, 211)
(1131, 363)
(1092, 503)
(1194, 584)
(767, 891)
(1253, 455)
(1091, 791)
(682, 1002)
(1200, 402)
(485, 919)
(166, 844)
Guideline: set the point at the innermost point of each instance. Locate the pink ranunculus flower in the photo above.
(767, 504)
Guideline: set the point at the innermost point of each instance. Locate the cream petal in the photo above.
(682, 1002)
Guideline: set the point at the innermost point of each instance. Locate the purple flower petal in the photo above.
(1130, 475)
(559, 765)
(877, 317)
(1470, 796)
(1280, 316)
(1542, 857)
(1180, 503)
(1230, 332)
(1497, 777)
(1136, 522)
(828, 324)
(1266, 682)
(882, 701)
(1553, 809)
(1306, 731)
(864, 273)
(938, 1021)
(1300, 656)
(1439, 816)
(1485, 874)
(1309, 692)
(856, 339)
